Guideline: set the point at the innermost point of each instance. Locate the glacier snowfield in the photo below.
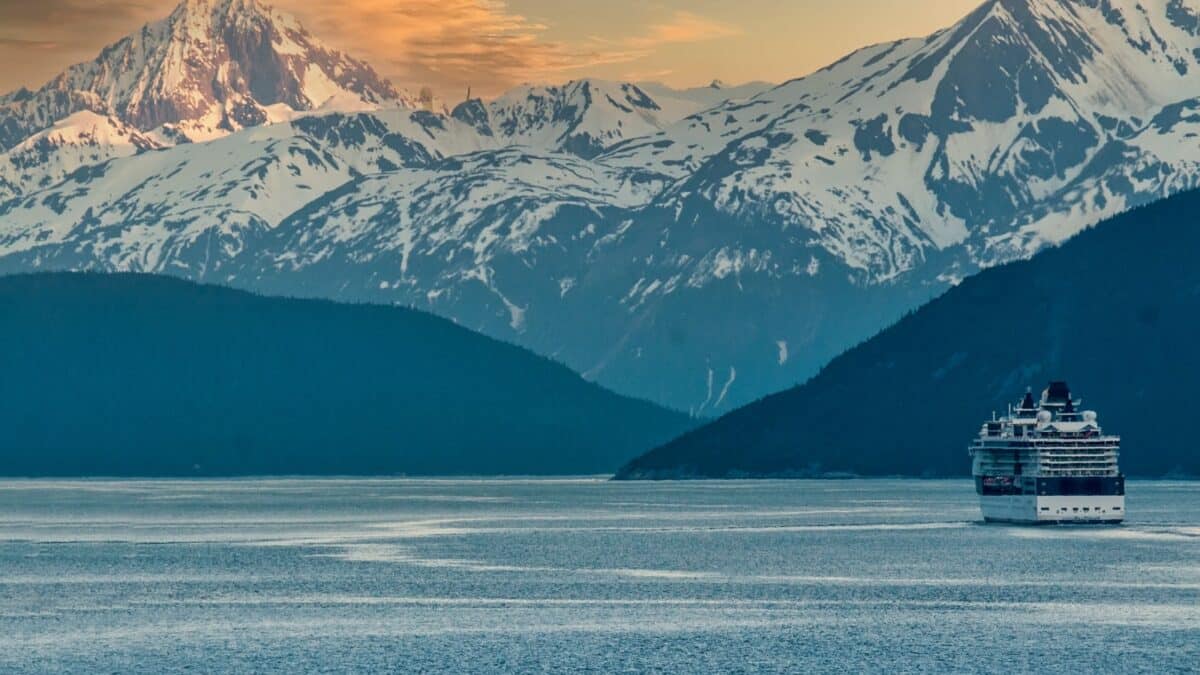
(586, 575)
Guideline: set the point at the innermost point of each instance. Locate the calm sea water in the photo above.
(584, 575)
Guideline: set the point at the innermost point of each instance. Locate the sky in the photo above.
(491, 45)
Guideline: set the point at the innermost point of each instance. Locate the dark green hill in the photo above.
(1115, 311)
(148, 376)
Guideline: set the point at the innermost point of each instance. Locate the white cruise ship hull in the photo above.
(1049, 510)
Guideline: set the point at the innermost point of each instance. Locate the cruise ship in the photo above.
(1047, 461)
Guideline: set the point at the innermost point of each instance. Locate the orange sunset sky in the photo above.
(494, 44)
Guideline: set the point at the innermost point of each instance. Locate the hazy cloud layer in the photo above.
(483, 43)
(38, 38)
(448, 44)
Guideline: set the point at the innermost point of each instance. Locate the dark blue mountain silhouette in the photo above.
(136, 375)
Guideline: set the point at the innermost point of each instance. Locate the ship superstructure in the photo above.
(1048, 461)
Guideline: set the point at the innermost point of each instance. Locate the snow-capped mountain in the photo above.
(583, 117)
(191, 208)
(699, 247)
(211, 67)
(588, 116)
(79, 140)
(903, 149)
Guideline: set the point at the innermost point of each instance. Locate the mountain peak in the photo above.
(209, 68)
(582, 117)
(208, 14)
(215, 8)
(220, 6)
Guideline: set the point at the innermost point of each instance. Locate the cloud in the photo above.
(647, 75)
(684, 27)
(39, 38)
(448, 44)
(71, 14)
(28, 44)
(481, 43)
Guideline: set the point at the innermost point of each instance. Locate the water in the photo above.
(584, 575)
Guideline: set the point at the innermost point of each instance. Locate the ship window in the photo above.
(1045, 508)
(1116, 508)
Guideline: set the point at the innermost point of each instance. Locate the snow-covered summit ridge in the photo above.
(587, 116)
(210, 68)
(902, 150)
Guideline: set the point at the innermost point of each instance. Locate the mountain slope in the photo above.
(211, 67)
(993, 137)
(904, 167)
(460, 233)
(190, 209)
(140, 375)
(79, 140)
(1115, 311)
(808, 217)
(582, 117)
(586, 117)
(701, 262)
